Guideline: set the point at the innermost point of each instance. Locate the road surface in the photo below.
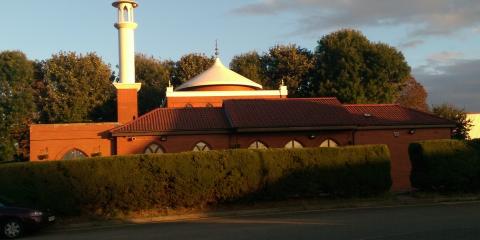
(442, 221)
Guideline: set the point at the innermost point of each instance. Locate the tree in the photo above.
(16, 104)
(413, 95)
(249, 65)
(189, 66)
(75, 88)
(457, 115)
(288, 63)
(154, 76)
(355, 70)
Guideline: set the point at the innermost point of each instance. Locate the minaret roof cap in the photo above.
(116, 3)
(218, 74)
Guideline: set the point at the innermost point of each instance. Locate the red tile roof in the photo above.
(391, 115)
(177, 119)
(277, 113)
(280, 113)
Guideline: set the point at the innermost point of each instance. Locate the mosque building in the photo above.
(220, 109)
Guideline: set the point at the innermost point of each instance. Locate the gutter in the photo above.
(404, 127)
(278, 129)
(170, 133)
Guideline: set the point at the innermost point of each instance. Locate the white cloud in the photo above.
(411, 44)
(444, 57)
(430, 17)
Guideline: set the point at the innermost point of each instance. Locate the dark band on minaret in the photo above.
(217, 53)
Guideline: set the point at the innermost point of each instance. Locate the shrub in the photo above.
(106, 185)
(446, 165)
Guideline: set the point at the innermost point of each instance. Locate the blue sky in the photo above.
(439, 38)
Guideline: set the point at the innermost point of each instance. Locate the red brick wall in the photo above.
(182, 143)
(56, 139)
(399, 149)
(180, 102)
(127, 105)
(172, 144)
(278, 140)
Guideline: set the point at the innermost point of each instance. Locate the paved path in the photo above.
(444, 221)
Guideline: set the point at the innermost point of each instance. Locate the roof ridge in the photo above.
(136, 119)
(280, 99)
(427, 113)
(371, 104)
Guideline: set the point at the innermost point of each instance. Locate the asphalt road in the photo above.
(444, 221)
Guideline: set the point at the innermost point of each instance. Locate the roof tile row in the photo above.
(277, 113)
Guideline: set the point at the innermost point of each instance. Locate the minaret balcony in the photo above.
(130, 25)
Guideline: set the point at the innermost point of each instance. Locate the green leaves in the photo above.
(249, 65)
(117, 184)
(413, 95)
(446, 165)
(457, 115)
(289, 64)
(154, 75)
(345, 65)
(73, 87)
(16, 104)
(356, 70)
(189, 66)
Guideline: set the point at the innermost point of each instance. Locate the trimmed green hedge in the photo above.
(124, 183)
(446, 165)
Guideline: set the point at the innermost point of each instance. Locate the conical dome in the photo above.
(219, 76)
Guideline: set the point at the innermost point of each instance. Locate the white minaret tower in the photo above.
(127, 106)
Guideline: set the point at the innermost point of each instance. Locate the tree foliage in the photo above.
(74, 88)
(288, 63)
(356, 70)
(189, 66)
(458, 115)
(155, 76)
(413, 95)
(249, 65)
(16, 104)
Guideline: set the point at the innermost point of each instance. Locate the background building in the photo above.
(475, 129)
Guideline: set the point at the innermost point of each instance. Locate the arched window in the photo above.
(200, 147)
(257, 145)
(74, 154)
(293, 144)
(154, 149)
(188, 105)
(209, 105)
(329, 143)
(125, 14)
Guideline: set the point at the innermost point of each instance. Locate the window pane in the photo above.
(332, 143)
(257, 145)
(329, 143)
(154, 149)
(74, 154)
(293, 144)
(201, 146)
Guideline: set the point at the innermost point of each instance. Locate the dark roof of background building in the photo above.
(177, 119)
(286, 113)
(391, 115)
(277, 114)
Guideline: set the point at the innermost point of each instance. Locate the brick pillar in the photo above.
(127, 105)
